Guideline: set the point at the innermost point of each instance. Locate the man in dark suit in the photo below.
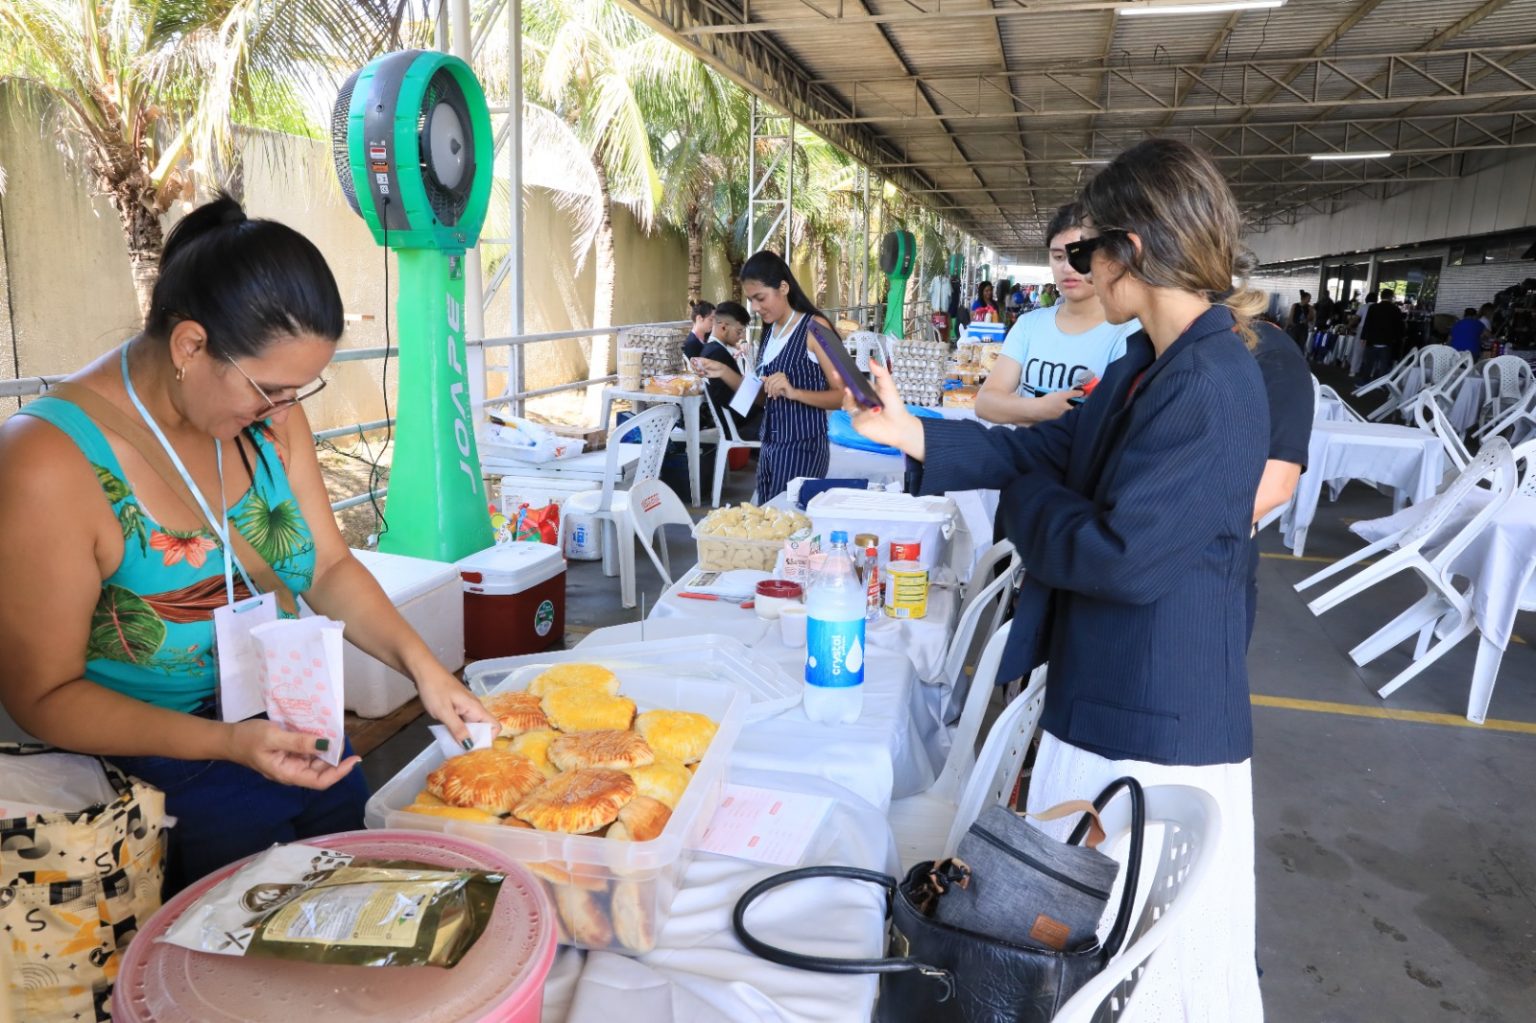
(1382, 334)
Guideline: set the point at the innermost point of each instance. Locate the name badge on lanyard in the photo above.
(240, 694)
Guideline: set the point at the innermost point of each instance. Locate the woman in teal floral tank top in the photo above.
(108, 582)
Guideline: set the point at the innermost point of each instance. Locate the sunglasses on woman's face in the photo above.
(1080, 253)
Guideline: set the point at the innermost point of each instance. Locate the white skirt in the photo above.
(1207, 973)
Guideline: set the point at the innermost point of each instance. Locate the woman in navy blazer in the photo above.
(1134, 517)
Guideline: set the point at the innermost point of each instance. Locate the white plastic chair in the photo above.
(1430, 413)
(1393, 382)
(981, 575)
(1518, 423)
(1325, 391)
(1443, 611)
(653, 506)
(610, 506)
(728, 440)
(980, 617)
(1191, 828)
(1506, 379)
(925, 824)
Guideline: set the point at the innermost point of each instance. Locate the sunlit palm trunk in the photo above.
(600, 363)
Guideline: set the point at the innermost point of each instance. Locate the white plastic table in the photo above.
(1409, 460)
(589, 465)
(689, 403)
(1501, 564)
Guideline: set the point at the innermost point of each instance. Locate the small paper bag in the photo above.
(301, 678)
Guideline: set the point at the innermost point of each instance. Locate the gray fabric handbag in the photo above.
(1009, 881)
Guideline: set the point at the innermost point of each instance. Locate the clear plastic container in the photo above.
(725, 553)
(584, 874)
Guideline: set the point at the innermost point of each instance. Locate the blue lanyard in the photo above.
(218, 523)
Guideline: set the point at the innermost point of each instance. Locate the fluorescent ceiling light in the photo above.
(1090, 163)
(1211, 8)
(1381, 154)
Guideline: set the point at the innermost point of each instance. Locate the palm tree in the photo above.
(585, 57)
(147, 92)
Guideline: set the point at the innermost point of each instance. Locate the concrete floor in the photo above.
(1396, 860)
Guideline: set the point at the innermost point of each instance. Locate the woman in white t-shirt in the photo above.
(1052, 352)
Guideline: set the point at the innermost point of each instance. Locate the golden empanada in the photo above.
(516, 712)
(640, 820)
(535, 746)
(557, 874)
(581, 709)
(457, 813)
(606, 748)
(633, 922)
(591, 676)
(425, 798)
(487, 779)
(577, 802)
(676, 734)
(512, 822)
(583, 916)
(663, 780)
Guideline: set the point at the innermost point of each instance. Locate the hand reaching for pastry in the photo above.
(450, 702)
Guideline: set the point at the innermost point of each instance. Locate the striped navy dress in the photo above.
(794, 434)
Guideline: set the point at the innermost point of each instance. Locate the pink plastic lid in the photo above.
(500, 978)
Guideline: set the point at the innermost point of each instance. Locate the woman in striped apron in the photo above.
(800, 384)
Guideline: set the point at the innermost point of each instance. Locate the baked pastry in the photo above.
(584, 709)
(593, 676)
(583, 916)
(535, 746)
(425, 798)
(662, 780)
(556, 873)
(577, 802)
(679, 735)
(493, 780)
(516, 712)
(606, 748)
(640, 820)
(632, 921)
(512, 822)
(457, 813)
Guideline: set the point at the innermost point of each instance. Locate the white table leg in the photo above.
(691, 424)
(1484, 674)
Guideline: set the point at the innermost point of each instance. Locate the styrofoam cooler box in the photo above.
(428, 594)
(931, 521)
(984, 333)
(513, 600)
(583, 535)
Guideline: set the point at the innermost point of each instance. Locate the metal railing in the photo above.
(28, 387)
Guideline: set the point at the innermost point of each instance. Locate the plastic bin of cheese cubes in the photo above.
(583, 873)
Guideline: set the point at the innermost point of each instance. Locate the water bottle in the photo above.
(834, 648)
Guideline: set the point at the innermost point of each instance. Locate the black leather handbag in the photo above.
(938, 973)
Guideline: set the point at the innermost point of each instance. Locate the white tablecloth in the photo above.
(1331, 410)
(1409, 460)
(699, 973)
(1469, 399)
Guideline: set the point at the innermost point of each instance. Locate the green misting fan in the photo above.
(411, 138)
(898, 254)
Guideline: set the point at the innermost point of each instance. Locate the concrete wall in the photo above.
(66, 295)
(1497, 192)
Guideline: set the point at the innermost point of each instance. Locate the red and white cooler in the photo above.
(514, 600)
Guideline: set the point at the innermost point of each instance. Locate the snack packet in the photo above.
(305, 903)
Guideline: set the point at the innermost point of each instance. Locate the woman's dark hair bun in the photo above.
(249, 282)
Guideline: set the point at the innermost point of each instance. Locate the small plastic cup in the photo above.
(792, 619)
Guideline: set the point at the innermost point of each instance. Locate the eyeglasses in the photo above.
(281, 403)
(1080, 253)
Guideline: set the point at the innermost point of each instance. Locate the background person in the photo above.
(719, 363)
(984, 309)
(1299, 323)
(703, 315)
(800, 384)
(1381, 333)
(106, 612)
(1050, 351)
(1134, 518)
(1467, 333)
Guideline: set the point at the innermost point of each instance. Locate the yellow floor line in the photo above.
(1304, 557)
(1391, 714)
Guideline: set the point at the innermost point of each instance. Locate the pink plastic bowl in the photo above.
(500, 979)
